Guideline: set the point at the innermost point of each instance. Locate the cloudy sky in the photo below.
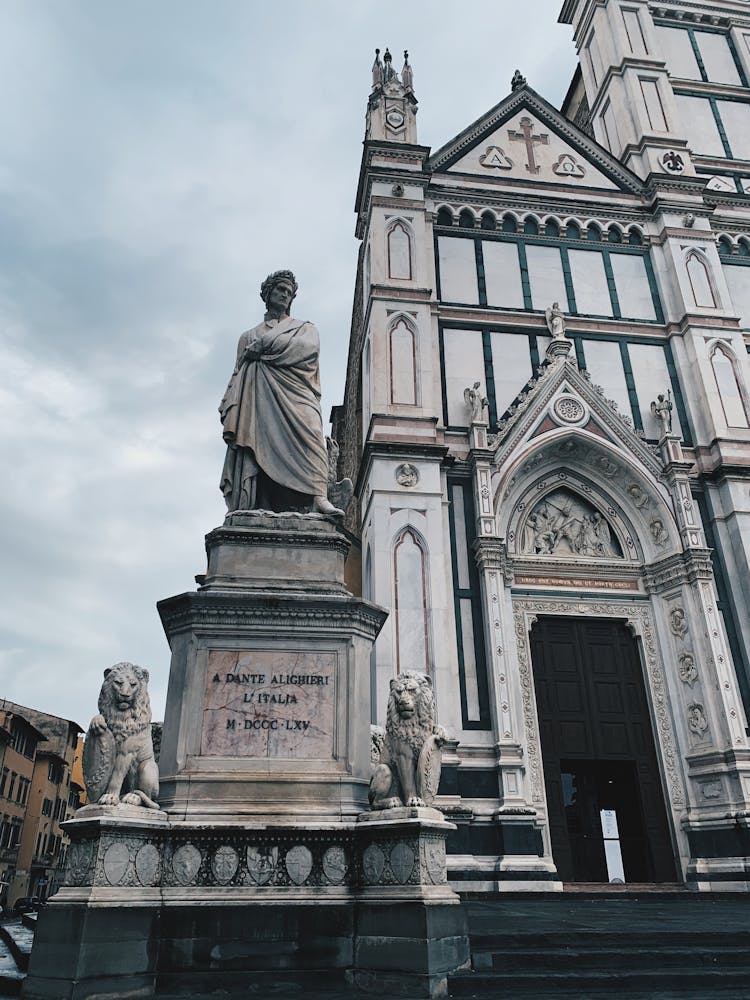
(157, 159)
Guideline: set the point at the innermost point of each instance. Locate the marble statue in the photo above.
(475, 403)
(118, 755)
(555, 321)
(661, 408)
(276, 455)
(408, 772)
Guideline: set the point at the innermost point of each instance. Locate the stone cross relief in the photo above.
(526, 135)
(565, 524)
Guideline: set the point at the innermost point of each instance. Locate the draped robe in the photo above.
(271, 415)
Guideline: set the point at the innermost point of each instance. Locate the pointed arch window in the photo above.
(399, 252)
(700, 280)
(403, 363)
(728, 385)
(411, 603)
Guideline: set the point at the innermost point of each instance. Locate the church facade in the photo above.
(547, 417)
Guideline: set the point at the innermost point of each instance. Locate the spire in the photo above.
(407, 74)
(377, 71)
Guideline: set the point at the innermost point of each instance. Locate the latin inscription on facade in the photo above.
(264, 703)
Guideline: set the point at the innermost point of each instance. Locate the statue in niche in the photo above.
(661, 408)
(564, 524)
(276, 455)
(476, 404)
(555, 321)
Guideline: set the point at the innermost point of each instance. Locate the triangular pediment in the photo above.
(525, 138)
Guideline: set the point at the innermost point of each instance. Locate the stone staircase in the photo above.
(596, 945)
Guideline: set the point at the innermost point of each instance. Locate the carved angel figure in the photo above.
(661, 408)
(475, 403)
(555, 321)
(408, 773)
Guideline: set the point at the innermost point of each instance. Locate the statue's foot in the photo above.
(416, 801)
(322, 505)
(109, 799)
(131, 799)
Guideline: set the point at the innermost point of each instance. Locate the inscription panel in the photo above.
(269, 703)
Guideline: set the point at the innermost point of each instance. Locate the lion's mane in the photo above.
(415, 730)
(125, 722)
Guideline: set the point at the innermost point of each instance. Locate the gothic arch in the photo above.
(729, 384)
(411, 601)
(403, 360)
(700, 276)
(400, 249)
(444, 216)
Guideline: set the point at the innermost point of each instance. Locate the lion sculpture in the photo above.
(118, 755)
(409, 770)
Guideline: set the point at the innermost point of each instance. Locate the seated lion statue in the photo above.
(118, 755)
(409, 770)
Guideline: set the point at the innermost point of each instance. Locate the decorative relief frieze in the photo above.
(697, 721)
(688, 670)
(678, 622)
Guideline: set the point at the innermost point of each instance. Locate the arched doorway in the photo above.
(606, 811)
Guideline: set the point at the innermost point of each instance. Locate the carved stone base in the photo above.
(160, 905)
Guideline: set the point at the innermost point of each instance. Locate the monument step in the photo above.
(563, 957)
(587, 984)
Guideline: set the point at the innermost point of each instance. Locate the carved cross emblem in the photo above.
(526, 135)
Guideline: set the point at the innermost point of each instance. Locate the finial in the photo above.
(377, 70)
(387, 57)
(407, 76)
(518, 81)
(389, 73)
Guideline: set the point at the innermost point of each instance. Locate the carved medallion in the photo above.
(697, 721)
(407, 474)
(568, 166)
(298, 862)
(678, 622)
(569, 410)
(435, 861)
(494, 158)
(606, 466)
(116, 861)
(261, 863)
(147, 862)
(224, 864)
(673, 162)
(659, 533)
(638, 495)
(186, 861)
(79, 864)
(402, 862)
(395, 119)
(335, 864)
(373, 863)
(688, 671)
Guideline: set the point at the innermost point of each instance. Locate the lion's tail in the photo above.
(145, 800)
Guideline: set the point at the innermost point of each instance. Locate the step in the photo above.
(595, 940)
(586, 984)
(593, 958)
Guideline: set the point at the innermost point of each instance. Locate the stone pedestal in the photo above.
(256, 871)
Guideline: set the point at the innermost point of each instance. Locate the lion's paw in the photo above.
(131, 799)
(109, 799)
(415, 801)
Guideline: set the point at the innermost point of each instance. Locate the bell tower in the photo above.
(392, 107)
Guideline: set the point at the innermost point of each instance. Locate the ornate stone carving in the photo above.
(186, 861)
(678, 622)
(688, 670)
(118, 755)
(408, 773)
(148, 864)
(407, 474)
(566, 524)
(261, 863)
(298, 863)
(116, 862)
(661, 408)
(373, 863)
(605, 465)
(335, 864)
(697, 721)
(340, 491)
(659, 533)
(224, 864)
(476, 404)
(79, 864)
(638, 495)
(569, 409)
(402, 862)
(555, 321)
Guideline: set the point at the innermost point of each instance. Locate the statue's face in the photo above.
(280, 297)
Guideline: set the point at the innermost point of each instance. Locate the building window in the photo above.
(399, 252)
(444, 217)
(12, 785)
(411, 603)
(47, 807)
(55, 772)
(403, 364)
(728, 386)
(3, 780)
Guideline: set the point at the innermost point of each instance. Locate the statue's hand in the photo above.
(251, 353)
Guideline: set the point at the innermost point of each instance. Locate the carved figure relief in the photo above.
(224, 864)
(638, 495)
(565, 524)
(678, 622)
(185, 863)
(688, 671)
(408, 773)
(673, 162)
(407, 474)
(606, 466)
(697, 722)
(261, 863)
(335, 864)
(658, 532)
(118, 755)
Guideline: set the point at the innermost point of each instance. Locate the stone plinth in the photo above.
(268, 702)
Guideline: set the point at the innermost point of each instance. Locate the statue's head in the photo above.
(278, 291)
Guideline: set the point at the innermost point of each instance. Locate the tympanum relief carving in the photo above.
(565, 524)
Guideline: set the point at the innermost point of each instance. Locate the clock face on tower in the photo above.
(394, 119)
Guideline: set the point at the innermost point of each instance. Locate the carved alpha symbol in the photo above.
(568, 166)
(526, 135)
(494, 157)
